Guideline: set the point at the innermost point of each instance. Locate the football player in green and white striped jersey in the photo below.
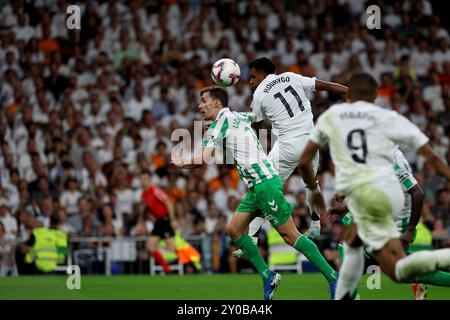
(265, 196)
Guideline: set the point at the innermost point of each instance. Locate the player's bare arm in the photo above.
(308, 176)
(417, 197)
(434, 160)
(331, 87)
(204, 158)
(258, 125)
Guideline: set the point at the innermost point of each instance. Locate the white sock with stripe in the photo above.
(351, 271)
(420, 263)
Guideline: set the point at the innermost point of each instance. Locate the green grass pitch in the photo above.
(308, 286)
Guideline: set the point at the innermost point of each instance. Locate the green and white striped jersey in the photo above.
(242, 147)
(404, 174)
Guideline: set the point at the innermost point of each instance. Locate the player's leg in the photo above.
(352, 267)
(314, 229)
(237, 228)
(253, 228)
(278, 211)
(373, 207)
(285, 170)
(152, 247)
(402, 268)
(438, 278)
(307, 247)
(389, 255)
(237, 232)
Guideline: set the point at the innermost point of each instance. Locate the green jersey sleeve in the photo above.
(403, 171)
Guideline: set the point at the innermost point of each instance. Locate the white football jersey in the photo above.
(362, 138)
(283, 100)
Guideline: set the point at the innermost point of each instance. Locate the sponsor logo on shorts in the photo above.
(272, 219)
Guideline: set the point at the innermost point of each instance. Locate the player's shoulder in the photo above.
(337, 108)
(291, 75)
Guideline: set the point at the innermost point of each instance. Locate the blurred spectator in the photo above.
(9, 223)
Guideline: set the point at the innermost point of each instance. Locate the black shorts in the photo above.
(163, 229)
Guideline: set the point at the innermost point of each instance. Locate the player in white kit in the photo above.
(362, 138)
(283, 100)
(406, 221)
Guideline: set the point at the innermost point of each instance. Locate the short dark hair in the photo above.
(263, 64)
(363, 85)
(216, 93)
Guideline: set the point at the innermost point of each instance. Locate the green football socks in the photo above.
(310, 251)
(438, 278)
(252, 253)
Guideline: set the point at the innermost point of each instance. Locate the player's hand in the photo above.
(318, 203)
(338, 209)
(338, 197)
(338, 206)
(406, 238)
(176, 160)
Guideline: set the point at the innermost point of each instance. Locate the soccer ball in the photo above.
(225, 72)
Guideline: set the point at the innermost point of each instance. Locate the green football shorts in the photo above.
(267, 200)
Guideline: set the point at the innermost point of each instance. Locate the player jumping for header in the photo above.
(283, 100)
(265, 196)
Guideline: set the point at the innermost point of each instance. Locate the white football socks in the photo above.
(421, 262)
(351, 271)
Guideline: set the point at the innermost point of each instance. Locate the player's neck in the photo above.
(216, 113)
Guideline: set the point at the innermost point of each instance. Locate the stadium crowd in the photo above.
(84, 111)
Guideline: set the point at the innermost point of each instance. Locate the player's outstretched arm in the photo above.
(435, 161)
(417, 198)
(308, 176)
(305, 164)
(206, 157)
(331, 87)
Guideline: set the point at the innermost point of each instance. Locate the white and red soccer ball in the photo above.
(225, 72)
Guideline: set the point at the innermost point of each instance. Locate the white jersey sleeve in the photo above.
(319, 133)
(308, 84)
(404, 132)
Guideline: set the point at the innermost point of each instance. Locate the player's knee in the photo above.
(289, 239)
(233, 232)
